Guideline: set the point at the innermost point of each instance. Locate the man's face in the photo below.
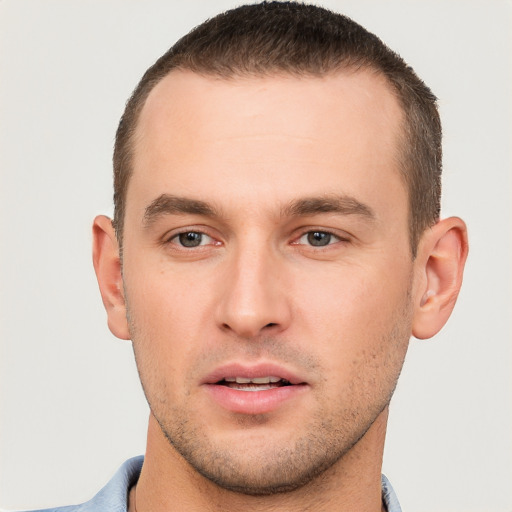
(266, 238)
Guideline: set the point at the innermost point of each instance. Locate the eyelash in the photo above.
(332, 238)
(175, 239)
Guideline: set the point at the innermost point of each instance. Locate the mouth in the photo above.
(254, 384)
(253, 377)
(254, 389)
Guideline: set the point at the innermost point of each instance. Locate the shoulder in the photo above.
(389, 497)
(114, 496)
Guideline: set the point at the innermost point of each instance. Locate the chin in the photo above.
(261, 466)
(274, 477)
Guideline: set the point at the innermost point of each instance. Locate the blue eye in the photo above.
(191, 239)
(318, 238)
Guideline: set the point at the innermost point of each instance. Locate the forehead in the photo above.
(334, 97)
(196, 131)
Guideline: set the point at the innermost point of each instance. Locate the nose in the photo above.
(253, 299)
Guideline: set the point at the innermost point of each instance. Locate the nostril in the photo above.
(249, 328)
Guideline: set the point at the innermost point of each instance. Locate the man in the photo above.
(275, 243)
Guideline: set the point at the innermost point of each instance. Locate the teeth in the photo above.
(265, 380)
(261, 380)
(256, 380)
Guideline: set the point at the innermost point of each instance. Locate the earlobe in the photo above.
(442, 254)
(107, 265)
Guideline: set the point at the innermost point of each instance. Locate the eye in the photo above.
(318, 238)
(191, 239)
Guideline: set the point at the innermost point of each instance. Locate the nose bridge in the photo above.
(253, 298)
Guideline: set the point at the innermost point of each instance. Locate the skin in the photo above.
(339, 316)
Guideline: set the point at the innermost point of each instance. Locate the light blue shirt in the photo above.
(114, 496)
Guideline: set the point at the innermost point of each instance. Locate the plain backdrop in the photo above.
(71, 408)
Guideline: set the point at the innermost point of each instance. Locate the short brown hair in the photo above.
(302, 40)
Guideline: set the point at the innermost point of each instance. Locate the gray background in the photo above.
(70, 402)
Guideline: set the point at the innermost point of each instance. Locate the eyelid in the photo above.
(173, 234)
(170, 236)
(175, 239)
(340, 236)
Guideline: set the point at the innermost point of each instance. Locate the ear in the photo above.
(442, 253)
(107, 264)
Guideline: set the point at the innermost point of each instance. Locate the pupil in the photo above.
(319, 238)
(190, 239)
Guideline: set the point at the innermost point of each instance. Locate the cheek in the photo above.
(165, 296)
(170, 315)
(160, 321)
(358, 319)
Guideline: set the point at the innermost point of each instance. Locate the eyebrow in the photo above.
(166, 204)
(342, 205)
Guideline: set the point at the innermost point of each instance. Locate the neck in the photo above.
(168, 482)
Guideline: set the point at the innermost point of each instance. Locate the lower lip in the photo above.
(254, 402)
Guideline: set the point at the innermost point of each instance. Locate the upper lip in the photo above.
(252, 371)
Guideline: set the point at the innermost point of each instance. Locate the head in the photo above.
(302, 41)
(277, 196)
